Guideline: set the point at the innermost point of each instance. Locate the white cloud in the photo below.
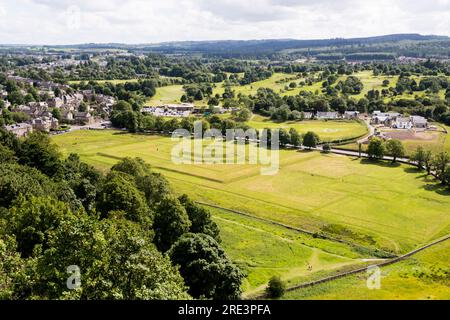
(145, 21)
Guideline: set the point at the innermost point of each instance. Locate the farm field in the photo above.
(327, 130)
(392, 207)
(424, 276)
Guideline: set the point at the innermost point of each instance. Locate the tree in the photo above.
(38, 151)
(119, 193)
(83, 107)
(200, 218)
(395, 148)
(447, 175)
(18, 180)
(243, 115)
(16, 98)
(154, 186)
(276, 288)
(33, 220)
(284, 137)
(198, 95)
(116, 259)
(13, 277)
(170, 223)
(311, 139)
(213, 101)
(326, 148)
(419, 157)
(338, 104)
(122, 105)
(427, 161)
(135, 167)
(206, 268)
(6, 154)
(56, 113)
(440, 163)
(376, 149)
(296, 138)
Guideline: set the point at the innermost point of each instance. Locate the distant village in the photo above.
(75, 108)
(82, 107)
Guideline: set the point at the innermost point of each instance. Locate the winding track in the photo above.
(382, 264)
(386, 262)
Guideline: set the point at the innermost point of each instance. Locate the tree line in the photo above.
(424, 159)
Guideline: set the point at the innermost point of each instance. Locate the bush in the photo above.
(276, 287)
(326, 148)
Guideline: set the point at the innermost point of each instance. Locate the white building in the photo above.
(327, 115)
(20, 129)
(351, 114)
(403, 123)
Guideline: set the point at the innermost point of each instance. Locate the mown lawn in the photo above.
(167, 94)
(423, 276)
(330, 130)
(392, 207)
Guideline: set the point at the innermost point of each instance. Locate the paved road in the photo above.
(356, 154)
(371, 132)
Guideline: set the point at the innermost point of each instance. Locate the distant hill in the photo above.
(390, 44)
(384, 47)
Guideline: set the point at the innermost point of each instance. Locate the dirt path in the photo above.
(382, 264)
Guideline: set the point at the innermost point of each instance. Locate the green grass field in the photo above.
(423, 276)
(263, 250)
(395, 206)
(167, 94)
(327, 130)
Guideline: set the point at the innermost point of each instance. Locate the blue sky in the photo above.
(149, 21)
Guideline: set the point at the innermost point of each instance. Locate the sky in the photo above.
(152, 21)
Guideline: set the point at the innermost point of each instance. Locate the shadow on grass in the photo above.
(380, 163)
(120, 133)
(305, 150)
(439, 188)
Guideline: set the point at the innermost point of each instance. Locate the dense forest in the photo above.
(125, 232)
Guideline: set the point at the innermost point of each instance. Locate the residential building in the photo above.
(67, 115)
(20, 129)
(83, 118)
(45, 124)
(402, 123)
(308, 115)
(327, 115)
(55, 102)
(419, 122)
(351, 114)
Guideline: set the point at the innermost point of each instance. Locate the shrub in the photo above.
(276, 287)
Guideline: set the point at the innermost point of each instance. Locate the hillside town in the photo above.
(58, 107)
